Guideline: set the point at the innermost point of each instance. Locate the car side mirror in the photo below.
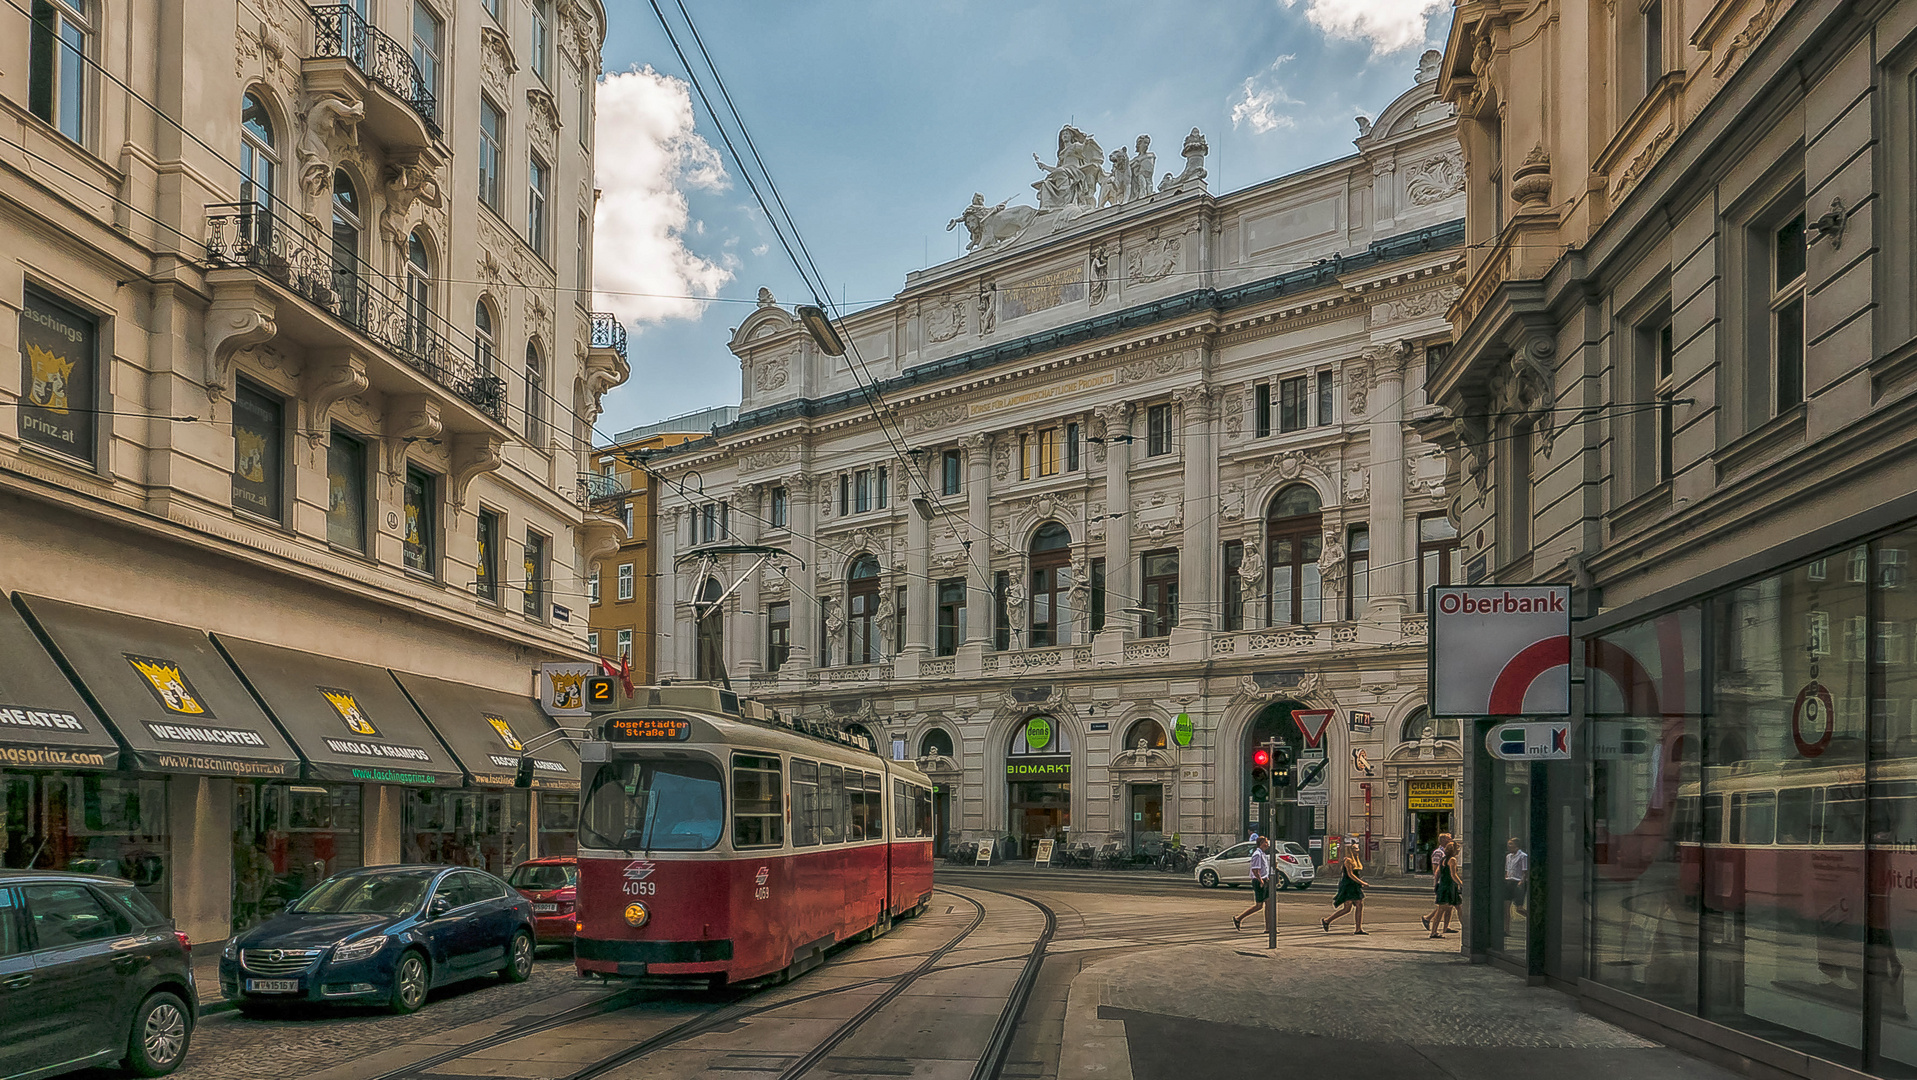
(440, 906)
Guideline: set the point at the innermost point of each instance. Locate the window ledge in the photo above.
(1768, 442)
(1895, 373)
(1641, 511)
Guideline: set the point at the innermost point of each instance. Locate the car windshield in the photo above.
(1289, 847)
(542, 876)
(650, 805)
(367, 894)
(1241, 851)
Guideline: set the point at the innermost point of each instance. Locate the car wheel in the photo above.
(1303, 885)
(161, 1029)
(1283, 883)
(411, 980)
(519, 958)
(1208, 879)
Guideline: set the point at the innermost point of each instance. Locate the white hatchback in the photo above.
(1232, 866)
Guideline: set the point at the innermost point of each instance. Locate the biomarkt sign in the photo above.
(1500, 651)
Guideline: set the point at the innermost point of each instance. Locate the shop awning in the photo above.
(488, 731)
(44, 723)
(172, 697)
(350, 721)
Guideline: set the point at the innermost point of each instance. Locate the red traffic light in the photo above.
(1261, 757)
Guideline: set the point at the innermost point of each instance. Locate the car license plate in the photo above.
(272, 986)
(545, 909)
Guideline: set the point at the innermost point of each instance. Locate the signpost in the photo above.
(1312, 724)
(1500, 651)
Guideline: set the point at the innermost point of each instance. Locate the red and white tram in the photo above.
(719, 844)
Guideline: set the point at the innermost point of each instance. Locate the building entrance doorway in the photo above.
(1040, 810)
(1038, 783)
(941, 819)
(1147, 818)
(1422, 833)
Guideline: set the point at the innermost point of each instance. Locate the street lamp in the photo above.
(824, 334)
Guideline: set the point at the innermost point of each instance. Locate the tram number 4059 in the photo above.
(639, 888)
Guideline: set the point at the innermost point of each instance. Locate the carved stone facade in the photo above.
(1060, 474)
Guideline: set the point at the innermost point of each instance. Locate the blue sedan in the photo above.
(382, 934)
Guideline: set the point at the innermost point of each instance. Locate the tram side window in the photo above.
(1754, 818)
(921, 812)
(758, 816)
(901, 811)
(805, 803)
(1844, 814)
(1894, 808)
(654, 806)
(1683, 826)
(862, 806)
(1794, 815)
(832, 815)
(1714, 819)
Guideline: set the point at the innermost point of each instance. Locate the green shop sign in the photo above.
(1038, 732)
(1038, 770)
(1181, 729)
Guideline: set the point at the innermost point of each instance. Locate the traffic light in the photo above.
(1260, 775)
(1281, 772)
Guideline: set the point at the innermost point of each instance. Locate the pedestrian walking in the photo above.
(1517, 872)
(1260, 882)
(1351, 894)
(1450, 892)
(1437, 869)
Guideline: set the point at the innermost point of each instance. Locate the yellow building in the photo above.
(621, 586)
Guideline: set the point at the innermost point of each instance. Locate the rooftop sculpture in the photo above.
(1077, 182)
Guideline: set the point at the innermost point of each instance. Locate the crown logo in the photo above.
(49, 389)
(568, 689)
(169, 684)
(347, 706)
(506, 735)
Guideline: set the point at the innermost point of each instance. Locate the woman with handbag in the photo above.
(1351, 893)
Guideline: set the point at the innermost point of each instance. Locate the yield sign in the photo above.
(1312, 722)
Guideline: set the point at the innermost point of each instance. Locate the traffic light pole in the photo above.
(1265, 821)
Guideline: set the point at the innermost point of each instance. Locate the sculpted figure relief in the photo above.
(1077, 182)
(329, 117)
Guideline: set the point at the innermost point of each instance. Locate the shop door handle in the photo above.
(16, 982)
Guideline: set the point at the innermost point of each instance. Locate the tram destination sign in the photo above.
(1500, 651)
(648, 729)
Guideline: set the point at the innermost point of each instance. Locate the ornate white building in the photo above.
(1142, 473)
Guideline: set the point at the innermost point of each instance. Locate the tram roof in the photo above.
(731, 717)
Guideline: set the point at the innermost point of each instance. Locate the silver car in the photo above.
(1232, 866)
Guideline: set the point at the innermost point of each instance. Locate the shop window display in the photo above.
(99, 824)
(489, 830)
(288, 838)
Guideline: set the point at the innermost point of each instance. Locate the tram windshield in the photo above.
(654, 806)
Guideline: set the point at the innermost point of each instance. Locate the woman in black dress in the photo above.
(1450, 892)
(1351, 894)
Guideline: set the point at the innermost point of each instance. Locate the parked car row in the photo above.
(92, 974)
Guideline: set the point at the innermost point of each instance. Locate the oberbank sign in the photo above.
(1500, 651)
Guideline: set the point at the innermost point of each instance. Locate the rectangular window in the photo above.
(725, 521)
(1098, 594)
(586, 82)
(1001, 620)
(709, 523)
(1664, 390)
(1157, 430)
(592, 642)
(1261, 409)
(779, 508)
(492, 8)
(542, 39)
(898, 622)
(778, 635)
(625, 517)
(1048, 452)
(1358, 572)
(258, 450)
(346, 492)
(1071, 447)
(1787, 314)
(537, 185)
(1234, 590)
(58, 370)
(1518, 494)
(535, 398)
(951, 473)
(845, 494)
(582, 265)
(623, 639)
(1440, 559)
(951, 615)
(490, 126)
(884, 482)
(1653, 43)
(1160, 596)
(1294, 404)
(625, 581)
(421, 545)
(861, 491)
(592, 585)
(533, 597)
(1024, 457)
(1326, 410)
(805, 803)
(486, 567)
(1647, 427)
(56, 67)
(426, 35)
(758, 801)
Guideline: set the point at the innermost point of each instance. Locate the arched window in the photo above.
(1027, 734)
(419, 295)
(936, 742)
(1051, 586)
(349, 225)
(535, 395)
(1145, 735)
(862, 603)
(1293, 541)
(1419, 725)
(712, 635)
(485, 345)
(259, 161)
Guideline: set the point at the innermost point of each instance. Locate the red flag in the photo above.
(625, 672)
(606, 668)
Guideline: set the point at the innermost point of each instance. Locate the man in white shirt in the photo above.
(1517, 872)
(1260, 881)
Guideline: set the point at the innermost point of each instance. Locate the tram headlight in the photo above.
(637, 915)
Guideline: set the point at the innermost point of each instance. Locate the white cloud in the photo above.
(649, 156)
(1263, 103)
(1390, 25)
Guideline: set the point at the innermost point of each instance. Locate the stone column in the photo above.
(1198, 585)
(978, 513)
(802, 515)
(1120, 589)
(666, 592)
(745, 635)
(1390, 552)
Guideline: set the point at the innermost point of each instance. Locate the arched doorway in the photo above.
(1289, 820)
(1294, 539)
(1038, 783)
(1051, 586)
(1430, 788)
(712, 634)
(937, 743)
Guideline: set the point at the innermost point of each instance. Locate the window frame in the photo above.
(1294, 404)
(432, 68)
(1158, 435)
(274, 435)
(1787, 305)
(770, 807)
(593, 594)
(55, 108)
(492, 154)
(1450, 570)
(81, 417)
(952, 473)
(1261, 410)
(540, 48)
(1327, 399)
(537, 552)
(622, 640)
(538, 204)
(1357, 571)
(341, 437)
(1158, 594)
(627, 582)
(778, 634)
(535, 388)
(947, 603)
(487, 529)
(781, 508)
(428, 546)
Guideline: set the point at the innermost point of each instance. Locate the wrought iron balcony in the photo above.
(596, 488)
(246, 235)
(339, 31)
(608, 333)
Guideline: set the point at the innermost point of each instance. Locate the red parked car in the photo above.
(550, 884)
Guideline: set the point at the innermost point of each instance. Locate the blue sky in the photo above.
(879, 120)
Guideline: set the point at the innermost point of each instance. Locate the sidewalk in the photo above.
(1024, 869)
(1396, 1006)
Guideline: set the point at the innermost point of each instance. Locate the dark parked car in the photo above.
(382, 934)
(552, 885)
(90, 974)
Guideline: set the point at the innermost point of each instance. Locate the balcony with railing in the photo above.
(608, 333)
(364, 65)
(598, 491)
(321, 303)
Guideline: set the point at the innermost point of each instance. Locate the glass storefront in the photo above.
(1754, 807)
(99, 823)
(1511, 833)
(1038, 784)
(558, 823)
(486, 828)
(288, 838)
